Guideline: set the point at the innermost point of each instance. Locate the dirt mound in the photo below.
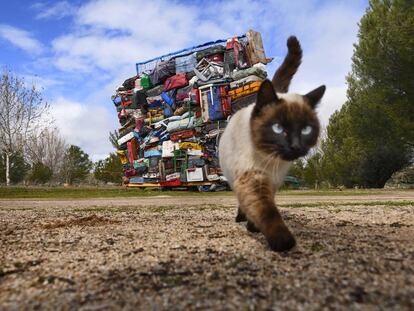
(88, 221)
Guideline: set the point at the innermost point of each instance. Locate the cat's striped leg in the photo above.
(255, 193)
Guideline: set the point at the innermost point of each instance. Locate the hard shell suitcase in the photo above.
(132, 151)
(215, 103)
(182, 134)
(249, 88)
(194, 174)
(122, 156)
(215, 110)
(170, 183)
(136, 180)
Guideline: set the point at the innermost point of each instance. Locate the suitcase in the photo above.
(252, 87)
(155, 91)
(175, 82)
(243, 102)
(168, 148)
(217, 49)
(214, 101)
(152, 153)
(182, 134)
(130, 172)
(129, 83)
(216, 57)
(194, 174)
(136, 180)
(255, 48)
(122, 157)
(146, 81)
(122, 140)
(215, 110)
(170, 183)
(140, 167)
(189, 145)
(162, 71)
(132, 150)
(117, 100)
(139, 99)
(185, 63)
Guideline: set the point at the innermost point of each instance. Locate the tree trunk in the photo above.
(7, 169)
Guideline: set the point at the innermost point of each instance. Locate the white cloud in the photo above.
(21, 38)
(86, 126)
(57, 10)
(41, 82)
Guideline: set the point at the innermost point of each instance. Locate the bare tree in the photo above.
(21, 111)
(47, 147)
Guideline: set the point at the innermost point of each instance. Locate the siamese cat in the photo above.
(261, 141)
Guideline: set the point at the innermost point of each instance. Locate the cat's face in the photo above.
(285, 125)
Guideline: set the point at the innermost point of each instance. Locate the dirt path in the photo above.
(172, 253)
(227, 200)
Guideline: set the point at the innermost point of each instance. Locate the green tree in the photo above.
(40, 173)
(109, 170)
(113, 139)
(297, 169)
(372, 135)
(76, 165)
(18, 168)
(312, 173)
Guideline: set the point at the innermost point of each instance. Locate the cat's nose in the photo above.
(295, 145)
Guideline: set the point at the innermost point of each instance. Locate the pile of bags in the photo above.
(172, 114)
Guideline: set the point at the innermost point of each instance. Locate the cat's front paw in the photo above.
(251, 227)
(240, 216)
(280, 238)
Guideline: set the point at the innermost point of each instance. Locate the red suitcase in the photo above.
(182, 134)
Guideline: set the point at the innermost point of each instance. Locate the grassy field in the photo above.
(121, 192)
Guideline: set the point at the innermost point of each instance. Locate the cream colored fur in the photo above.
(237, 153)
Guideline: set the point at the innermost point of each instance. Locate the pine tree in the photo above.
(372, 135)
(76, 165)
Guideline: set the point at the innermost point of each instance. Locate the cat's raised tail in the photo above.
(283, 75)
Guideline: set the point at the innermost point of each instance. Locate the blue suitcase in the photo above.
(215, 110)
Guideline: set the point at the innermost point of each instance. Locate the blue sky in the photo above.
(79, 51)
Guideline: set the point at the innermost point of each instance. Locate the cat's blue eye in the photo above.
(277, 128)
(307, 130)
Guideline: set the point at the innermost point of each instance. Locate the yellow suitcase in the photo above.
(122, 156)
(244, 90)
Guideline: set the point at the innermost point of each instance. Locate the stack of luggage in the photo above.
(174, 110)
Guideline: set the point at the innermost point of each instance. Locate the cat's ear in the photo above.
(265, 96)
(313, 97)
